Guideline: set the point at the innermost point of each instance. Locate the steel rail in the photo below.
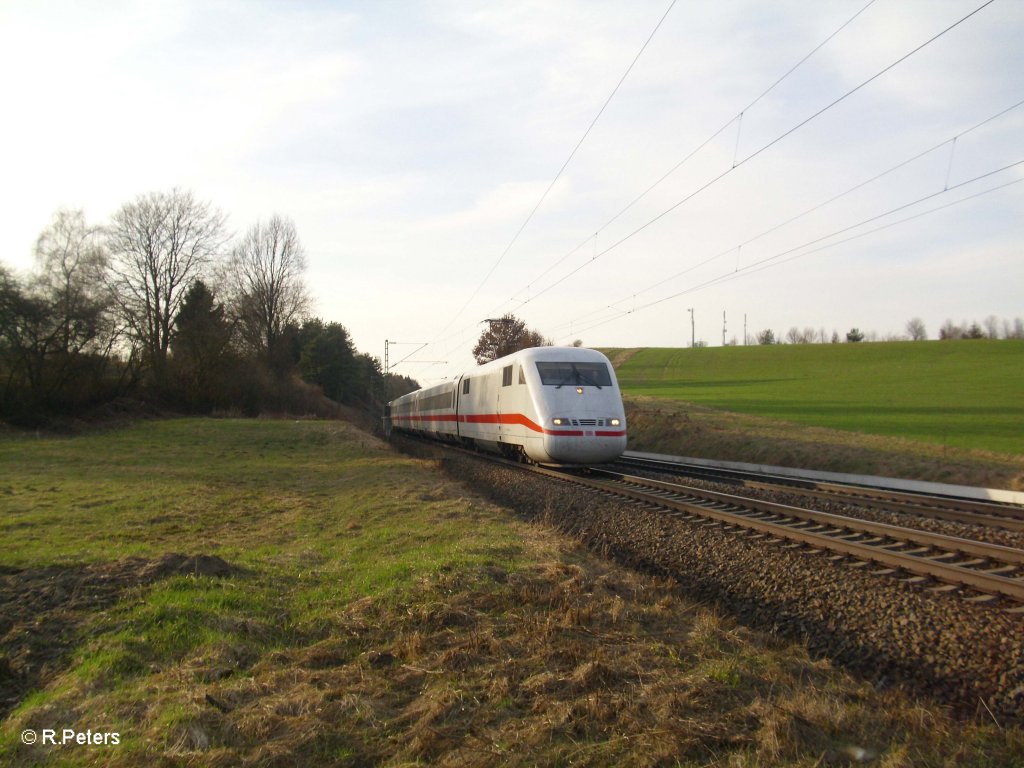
(1009, 555)
(940, 507)
(987, 582)
(982, 581)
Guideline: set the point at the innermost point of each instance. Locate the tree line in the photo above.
(163, 304)
(915, 330)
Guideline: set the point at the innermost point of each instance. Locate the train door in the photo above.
(458, 405)
(505, 401)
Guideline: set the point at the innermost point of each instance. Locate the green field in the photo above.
(354, 606)
(968, 394)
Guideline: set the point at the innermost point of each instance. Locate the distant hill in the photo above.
(966, 393)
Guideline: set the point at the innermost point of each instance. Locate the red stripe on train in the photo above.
(507, 419)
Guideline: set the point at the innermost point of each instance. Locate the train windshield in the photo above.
(574, 374)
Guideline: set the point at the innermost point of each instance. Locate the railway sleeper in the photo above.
(1001, 570)
(983, 597)
(894, 546)
(916, 551)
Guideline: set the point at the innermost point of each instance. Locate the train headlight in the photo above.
(579, 390)
(614, 422)
(559, 422)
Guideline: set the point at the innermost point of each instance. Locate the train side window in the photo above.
(465, 386)
(506, 376)
(522, 376)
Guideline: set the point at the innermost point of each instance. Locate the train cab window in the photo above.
(574, 374)
(522, 376)
(506, 376)
(465, 386)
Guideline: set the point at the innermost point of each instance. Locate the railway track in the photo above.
(979, 571)
(960, 644)
(1005, 516)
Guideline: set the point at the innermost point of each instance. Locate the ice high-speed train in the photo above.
(548, 405)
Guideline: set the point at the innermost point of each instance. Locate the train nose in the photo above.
(587, 441)
(588, 448)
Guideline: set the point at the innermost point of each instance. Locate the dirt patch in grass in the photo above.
(684, 429)
(44, 611)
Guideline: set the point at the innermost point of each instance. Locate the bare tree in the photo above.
(505, 335)
(71, 272)
(159, 244)
(265, 273)
(916, 329)
(950, 330)
(796, 336)
(58, 330)
(992, 327)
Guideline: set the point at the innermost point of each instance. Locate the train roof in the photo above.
(531, 354)
(559, 354)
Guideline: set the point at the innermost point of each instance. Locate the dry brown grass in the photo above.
(570, 660)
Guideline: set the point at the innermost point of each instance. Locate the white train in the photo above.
(548, 405)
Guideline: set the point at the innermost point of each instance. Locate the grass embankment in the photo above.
(949, 411)
(351, 606)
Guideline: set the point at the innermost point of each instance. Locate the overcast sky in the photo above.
(411, 141)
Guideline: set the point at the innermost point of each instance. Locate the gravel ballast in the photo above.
(968, 656)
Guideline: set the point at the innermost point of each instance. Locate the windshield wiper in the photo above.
(581, 378)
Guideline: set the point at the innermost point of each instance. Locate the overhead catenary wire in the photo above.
(799, 251)
(778, 81)
(561, 170)
(701, 146)
(727, 276)
(756, 153)
(764, 148)
(807, 212)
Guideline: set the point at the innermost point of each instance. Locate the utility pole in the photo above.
(418, 344)
(723, 327)
(693, 334)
